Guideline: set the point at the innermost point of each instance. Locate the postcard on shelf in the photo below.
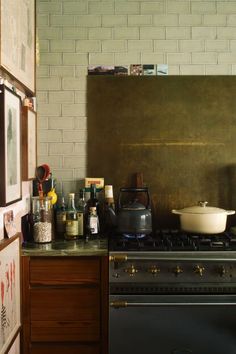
(136, 69)
(121, 70)
(149, 69)
(9, 224)
(101, 70)
(162, 69)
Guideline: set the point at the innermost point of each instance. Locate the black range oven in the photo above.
(172, 293)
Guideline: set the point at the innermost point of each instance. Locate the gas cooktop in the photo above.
(173, 240)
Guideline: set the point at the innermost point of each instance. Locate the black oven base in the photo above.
(172, 324)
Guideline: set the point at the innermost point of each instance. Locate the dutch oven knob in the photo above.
(202, 203)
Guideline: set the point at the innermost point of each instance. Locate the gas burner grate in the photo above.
(174, 240)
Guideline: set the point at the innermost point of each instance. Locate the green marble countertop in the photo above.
(98, 247)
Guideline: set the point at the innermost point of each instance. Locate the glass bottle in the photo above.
(109, 198)
(109, 215)
(61, 219)
(92, 201)
(71, 219)
(92, 212)
(42, 219)
(93, 222)
(81, 212)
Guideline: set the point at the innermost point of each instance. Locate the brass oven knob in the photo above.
(222, 271)
(177, 271)
(131, 270)
(199, 270)
(154, 270)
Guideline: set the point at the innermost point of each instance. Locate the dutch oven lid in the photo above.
(202, 208)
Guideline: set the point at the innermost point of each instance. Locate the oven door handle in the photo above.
(122, 304)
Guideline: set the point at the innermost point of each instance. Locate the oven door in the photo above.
(172, 324)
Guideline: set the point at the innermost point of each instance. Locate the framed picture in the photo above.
(17, 38)
(10, 323)
(10, 147)
(29, 143)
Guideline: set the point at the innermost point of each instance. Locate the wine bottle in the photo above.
(81, 212)
(61, 218)
(71, 219)
(109, 198)
(92, 212)
(93, 222)
(109, 219)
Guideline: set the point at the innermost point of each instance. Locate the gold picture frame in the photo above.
(29, 143)
(17, 38)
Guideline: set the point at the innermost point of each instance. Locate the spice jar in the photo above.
(42, 215)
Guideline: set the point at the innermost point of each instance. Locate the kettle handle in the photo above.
(135, 190)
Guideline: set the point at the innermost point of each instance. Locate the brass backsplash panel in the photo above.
(180, 131)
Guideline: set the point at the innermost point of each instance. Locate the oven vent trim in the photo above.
(168, 290)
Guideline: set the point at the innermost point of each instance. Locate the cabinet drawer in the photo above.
(65, 314)
(64, 270)
(49, 348)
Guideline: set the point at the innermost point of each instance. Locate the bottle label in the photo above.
(80, 224)
(72, 228)
(93, 224)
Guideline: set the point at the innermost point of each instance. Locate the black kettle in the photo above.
(134, 218)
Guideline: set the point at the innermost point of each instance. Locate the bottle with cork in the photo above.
(109, 213)
(71, 219)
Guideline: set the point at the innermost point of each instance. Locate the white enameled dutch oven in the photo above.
(203, 219)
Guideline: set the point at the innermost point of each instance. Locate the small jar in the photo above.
(42, 215)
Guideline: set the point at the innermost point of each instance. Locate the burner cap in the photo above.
(134, 236)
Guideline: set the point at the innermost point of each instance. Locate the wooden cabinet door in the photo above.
(64, 305)
(64, 270)
(65, 314)
(48, 348)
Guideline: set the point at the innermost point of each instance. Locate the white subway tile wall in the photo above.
(193, 37)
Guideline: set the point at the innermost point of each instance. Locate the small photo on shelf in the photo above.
(101, 70)
(149, 69)
(9, 224)
(136, 69)
(121, 70)
(162, 69)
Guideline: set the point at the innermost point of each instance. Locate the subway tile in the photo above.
(75, 7)
(204, 58)
(61, 122)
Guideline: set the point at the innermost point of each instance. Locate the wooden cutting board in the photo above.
(141, 196)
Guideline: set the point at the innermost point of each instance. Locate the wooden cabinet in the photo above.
(64, 305)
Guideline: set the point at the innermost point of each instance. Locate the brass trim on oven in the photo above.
(118, 304)
(118, 258)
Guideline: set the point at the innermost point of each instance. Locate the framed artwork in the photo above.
(10, 322)
(17, 38)
(10, 147)
(29, 143)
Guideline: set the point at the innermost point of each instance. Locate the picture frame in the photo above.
(10, 147)
(29, 143)
(18, 43)
(10, 298)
